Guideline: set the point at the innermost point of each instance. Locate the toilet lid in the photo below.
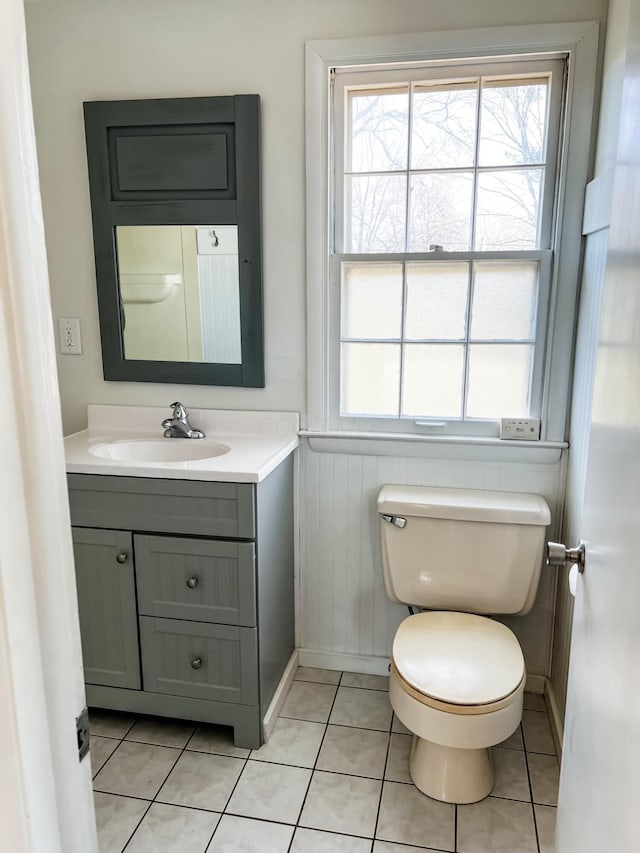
(458, 658)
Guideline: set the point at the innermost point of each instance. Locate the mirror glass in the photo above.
(179, 292)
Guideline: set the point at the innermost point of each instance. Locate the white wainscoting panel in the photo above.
(343, 608)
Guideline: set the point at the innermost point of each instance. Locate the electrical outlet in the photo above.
(523, 429)
(69, 332)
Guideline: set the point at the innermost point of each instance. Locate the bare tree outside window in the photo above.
(452, 144)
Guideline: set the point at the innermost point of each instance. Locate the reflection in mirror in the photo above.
(179, 292)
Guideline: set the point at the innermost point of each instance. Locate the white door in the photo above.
(599, 804)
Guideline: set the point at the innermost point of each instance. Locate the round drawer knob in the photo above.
(196, 663)
(192, 582)
(122, 557)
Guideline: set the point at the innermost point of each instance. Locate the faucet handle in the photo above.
(179, 411)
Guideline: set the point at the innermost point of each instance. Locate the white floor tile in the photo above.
(545, 778)
(216, 739)
(116, 819)
(169, 829)
(235, 834)
(369, 682)
(338, 805)
(534, 702)
(392, 847)
(270, 792)
(398, 761)
(546, 823)
(292, 742)
(360, 752)
(537, 732)
(110, 723)
(314, 841)
(161, 732)
(342, 804)
(201, 781)
(399, 727)
(100, 749)
(409, 817)
(496, 826)
(320, 676)
(136, 770)
(365, 709)
(309, 701)
(511, 780)
(515, 741)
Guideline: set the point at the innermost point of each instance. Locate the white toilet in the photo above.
(457, 678)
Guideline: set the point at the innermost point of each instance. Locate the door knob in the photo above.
(122, 557)
(558, 554)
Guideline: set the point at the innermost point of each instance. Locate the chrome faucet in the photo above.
(178, 426)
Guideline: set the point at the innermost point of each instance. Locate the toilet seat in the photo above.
(458, 662)
(451, 708)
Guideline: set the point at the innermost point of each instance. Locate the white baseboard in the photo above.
(555, 718)
(535, 684)
(279, 696)
(366, 664)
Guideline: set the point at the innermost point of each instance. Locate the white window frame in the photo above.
(578, 42)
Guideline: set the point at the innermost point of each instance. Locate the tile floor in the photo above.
(332, 779)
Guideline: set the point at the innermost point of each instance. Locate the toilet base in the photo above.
(449, 774)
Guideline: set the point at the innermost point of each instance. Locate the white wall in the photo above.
(93, 49)
(113, 49)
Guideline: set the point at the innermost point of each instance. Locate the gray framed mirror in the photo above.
(175, 201)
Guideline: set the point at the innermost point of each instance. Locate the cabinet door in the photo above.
(201, 580)
(107, 604)
(200, 660)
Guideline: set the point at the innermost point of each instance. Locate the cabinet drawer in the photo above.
(196, 579)
(163, 506)
(199, 660)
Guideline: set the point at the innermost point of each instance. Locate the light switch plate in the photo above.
(521, 429)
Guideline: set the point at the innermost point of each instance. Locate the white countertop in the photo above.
(257, 441)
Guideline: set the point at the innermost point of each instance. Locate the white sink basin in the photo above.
(126, 441)
(160, 450)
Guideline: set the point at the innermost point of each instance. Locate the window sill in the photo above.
(434, 446)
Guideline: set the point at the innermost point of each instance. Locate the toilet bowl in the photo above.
(458, 675)
(457, 683)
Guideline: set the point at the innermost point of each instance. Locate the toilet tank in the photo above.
(461, 549)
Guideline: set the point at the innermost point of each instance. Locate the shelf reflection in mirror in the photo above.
(179, 292)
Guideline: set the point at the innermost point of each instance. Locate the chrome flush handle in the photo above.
(396, 520)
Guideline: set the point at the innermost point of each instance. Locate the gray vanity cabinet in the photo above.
(185, 590)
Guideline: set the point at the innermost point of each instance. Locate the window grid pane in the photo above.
(504, 206)
(498, 380)
(378, 123)
(370, 379)
(478, 374)
(433, 381)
